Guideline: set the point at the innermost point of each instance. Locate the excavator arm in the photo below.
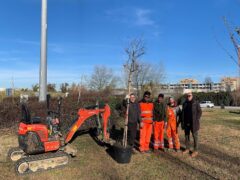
(84, 114)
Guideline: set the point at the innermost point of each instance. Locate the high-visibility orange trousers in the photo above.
(172, 135)
(158, 135)
(145, 136)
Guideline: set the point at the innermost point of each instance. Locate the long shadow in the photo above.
(234, 112)
(79, 133)
(231, 123)
(184, 165)
(219, 155)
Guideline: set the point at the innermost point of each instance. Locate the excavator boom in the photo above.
(83, 115)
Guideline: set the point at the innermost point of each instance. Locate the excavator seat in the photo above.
(26, 116)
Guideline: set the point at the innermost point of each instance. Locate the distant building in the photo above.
(230, 83)
(9, 92)
(188, 81)
(119, 92)
(2, 89)
(226, 84)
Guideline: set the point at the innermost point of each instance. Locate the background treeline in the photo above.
(221, 98)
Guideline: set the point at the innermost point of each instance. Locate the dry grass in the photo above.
(219, 157)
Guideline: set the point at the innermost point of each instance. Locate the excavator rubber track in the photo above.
(41, 162)
(16, 153)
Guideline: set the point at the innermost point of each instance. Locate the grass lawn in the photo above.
(219, 156)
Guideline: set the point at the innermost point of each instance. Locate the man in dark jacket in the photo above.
(159, 118)
(191, 115)
(133, 119)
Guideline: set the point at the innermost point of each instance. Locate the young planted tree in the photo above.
(134, 51)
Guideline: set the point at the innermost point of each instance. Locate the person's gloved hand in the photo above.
(165, 125)
(141, 124)
(127, 96)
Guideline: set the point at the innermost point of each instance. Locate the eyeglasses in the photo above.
(190, 95)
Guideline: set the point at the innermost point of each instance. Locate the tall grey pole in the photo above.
(43, 65)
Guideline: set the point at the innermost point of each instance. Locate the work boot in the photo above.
(162, 149)
(134, 151)
(178, 150)
(170, 150)
(148, 151)
(186, 151)
(194, 154)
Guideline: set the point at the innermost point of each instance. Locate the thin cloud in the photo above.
(143, 17)
(132, 16)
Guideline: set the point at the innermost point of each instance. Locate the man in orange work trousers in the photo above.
(173, 114)
(159, 119)
(146, 107)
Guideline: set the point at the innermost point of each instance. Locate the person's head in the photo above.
(189, 95)
(172, 101)
(147, 96)
(160, 97)
(132, 97)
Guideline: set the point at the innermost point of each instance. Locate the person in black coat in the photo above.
(190, 121)
(134, 116)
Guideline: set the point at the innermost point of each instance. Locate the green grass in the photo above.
(219, 154)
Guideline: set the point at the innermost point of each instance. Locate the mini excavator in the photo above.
(42, 145)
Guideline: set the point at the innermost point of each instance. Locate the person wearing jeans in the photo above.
(190, 121)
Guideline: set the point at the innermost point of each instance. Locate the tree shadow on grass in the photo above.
(219, 155)
(234, 112)
(231, 123)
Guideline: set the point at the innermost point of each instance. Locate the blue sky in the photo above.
(83, 33)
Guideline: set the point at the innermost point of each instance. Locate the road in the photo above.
(227, 107)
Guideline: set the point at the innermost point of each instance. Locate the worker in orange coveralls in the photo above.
(146, 107)
(173, 114)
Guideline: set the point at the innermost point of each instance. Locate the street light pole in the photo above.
(43, 64)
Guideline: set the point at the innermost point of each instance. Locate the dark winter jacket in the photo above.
(134, 113)
(191, 114)
(159, 112)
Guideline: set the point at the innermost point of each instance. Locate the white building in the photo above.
(2, 89)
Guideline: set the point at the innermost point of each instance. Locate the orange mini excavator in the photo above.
(42, 146)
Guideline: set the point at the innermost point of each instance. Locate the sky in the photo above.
(181, 35)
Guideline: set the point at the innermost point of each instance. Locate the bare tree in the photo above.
(64, 87)
(51, 87)
(148, 76)
(102, 78)
(35, 87)
(236, 97)
(208, 80)
(134, 51)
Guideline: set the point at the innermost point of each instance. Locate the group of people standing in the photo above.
(159, 117)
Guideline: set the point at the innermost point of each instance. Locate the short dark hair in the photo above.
(161, 95)
(147, 93)
(132, 94)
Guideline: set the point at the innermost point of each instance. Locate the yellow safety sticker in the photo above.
(29, 128)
